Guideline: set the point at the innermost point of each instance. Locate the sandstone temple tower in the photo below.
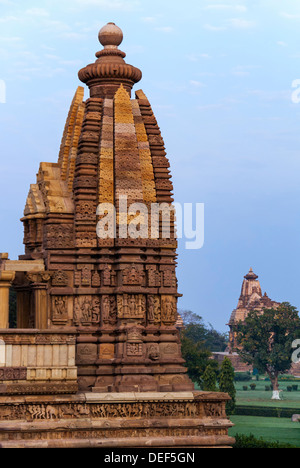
(96, 338)
(251, 298)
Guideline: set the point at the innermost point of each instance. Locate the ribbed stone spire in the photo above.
(120, 292)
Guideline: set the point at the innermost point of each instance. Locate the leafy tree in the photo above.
(190, 318)
(265, 341)
(198, 341)
(198, 332)
(216, 341)
(226, 384)
(209, 380)
(196, 358)
(249, 441)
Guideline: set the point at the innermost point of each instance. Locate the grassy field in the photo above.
(270, 429)
(281, 430)
(260, 397)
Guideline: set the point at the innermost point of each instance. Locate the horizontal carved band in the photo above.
(186, 409)
(108, 70)
(38, 338)
(13, 373)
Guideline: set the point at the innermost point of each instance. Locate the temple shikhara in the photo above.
(251, 298)
(95, 360)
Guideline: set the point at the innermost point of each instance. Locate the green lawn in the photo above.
(270, 429)
(260, 397)
(281, 430)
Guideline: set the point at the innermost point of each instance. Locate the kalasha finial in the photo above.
(110, 71)
(251, 275)
(110, 36)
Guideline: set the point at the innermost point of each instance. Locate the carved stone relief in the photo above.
(168, 309)
(87, 310)
(154, 277)
(107, 351)
(153, 352)
(131, 306)
(153, 309)
(168, 409)
(60, 236)
(59, 309)
(109, 310)
(60, 278)
(133, 275)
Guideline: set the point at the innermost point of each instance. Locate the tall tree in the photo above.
(198, 342)
(196, 358)
(199, 332)
(226, 384)
(209, 380)
(265, 341)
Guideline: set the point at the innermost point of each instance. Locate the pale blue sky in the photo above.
(219, 77)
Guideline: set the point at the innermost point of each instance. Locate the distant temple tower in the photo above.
(251, 298)
(96, 360)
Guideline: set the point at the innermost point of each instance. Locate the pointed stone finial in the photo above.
(251, 275)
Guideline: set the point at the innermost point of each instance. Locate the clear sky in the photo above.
(219, 77)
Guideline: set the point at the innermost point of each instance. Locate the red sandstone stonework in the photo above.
(119, 294)
(101, 310)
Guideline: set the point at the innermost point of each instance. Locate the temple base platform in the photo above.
(116, 420)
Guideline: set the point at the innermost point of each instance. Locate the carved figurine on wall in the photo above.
(60, 306)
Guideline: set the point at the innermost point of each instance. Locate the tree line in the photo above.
(264, 340)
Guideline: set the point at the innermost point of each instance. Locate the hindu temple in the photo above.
(95, 360)
(251, 299)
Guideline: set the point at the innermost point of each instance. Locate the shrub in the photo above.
(268, 388)
(245, 388)
(249, 441)
(226, 384)
(209, 379)
(288, 378)
(295, 388)
(253, 386)
(242, 377)
(289, 388)
(268, 412)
